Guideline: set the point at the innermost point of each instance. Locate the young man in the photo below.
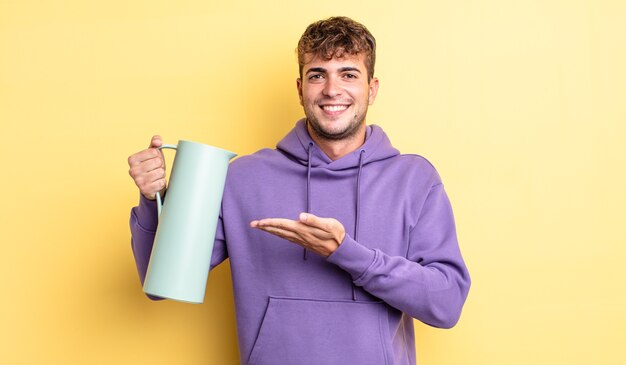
(375, 242)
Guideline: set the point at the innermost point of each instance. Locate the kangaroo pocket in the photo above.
(304, 331)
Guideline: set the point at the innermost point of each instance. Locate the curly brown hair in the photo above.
(335, 37)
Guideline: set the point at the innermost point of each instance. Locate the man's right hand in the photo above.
(147, 168)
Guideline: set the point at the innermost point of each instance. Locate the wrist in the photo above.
(153, 196)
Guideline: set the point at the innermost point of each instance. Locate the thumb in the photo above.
(156, 141)
(315, 221)
(329, 225)
(306, 218)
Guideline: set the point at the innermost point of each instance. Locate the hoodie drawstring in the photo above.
(308, 187)
(358, 209)
(358, 196)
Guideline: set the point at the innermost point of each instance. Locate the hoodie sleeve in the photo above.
(143, 225)
(431, 282)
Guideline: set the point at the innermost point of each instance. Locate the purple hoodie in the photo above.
(399, 260)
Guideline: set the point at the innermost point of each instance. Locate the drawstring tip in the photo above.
(304, 255)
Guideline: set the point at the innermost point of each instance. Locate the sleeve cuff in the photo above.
(147, 215)
(352, 257)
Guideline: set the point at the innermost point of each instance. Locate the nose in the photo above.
(331, 88)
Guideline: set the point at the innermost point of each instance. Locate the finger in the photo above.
(150, 190)
(325, 227)
(153, 164)
(156, 141)
(302, 230)
(325, 224)
(144, 155)
(282, 223)
(141, 169)
(144, 180)
(155, 175)
(283, 233)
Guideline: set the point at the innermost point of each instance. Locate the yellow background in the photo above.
(521, 105)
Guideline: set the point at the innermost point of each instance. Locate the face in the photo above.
(335, 95)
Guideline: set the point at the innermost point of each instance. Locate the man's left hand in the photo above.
(320, 235)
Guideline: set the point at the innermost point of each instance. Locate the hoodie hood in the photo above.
(298, 142)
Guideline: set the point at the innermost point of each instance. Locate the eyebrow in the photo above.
(323, 70)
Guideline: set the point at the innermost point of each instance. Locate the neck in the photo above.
(336, 149)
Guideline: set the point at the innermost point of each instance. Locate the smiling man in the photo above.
(336, 240)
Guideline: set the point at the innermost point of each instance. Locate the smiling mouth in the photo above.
(334, 108)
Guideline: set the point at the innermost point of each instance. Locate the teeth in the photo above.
(334, 108)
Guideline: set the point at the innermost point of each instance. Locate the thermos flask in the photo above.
(181, 254)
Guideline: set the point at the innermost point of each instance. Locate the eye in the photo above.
(350, 76)
(316, 77)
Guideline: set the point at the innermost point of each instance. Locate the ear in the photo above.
(299, 86)
(373, 90)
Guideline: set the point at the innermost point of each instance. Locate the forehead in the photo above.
(315, 61)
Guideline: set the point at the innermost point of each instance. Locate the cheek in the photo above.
(359, 91)
(308, 97)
